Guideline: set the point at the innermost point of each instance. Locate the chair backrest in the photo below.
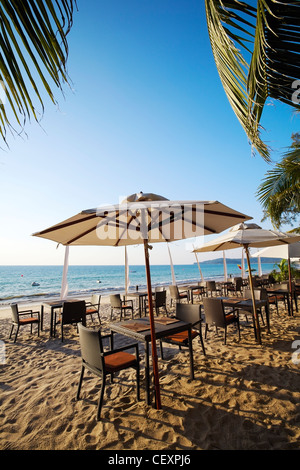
(95, 300)
(238, 283)
(214, 311)
(91, 347)
(160, 298)
(15, 313)
(174, 293)
(211, 285)
(115, 300)
(74, 312)
(257, 294)
(190, 313)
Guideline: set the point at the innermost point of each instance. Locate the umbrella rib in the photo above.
(66, 224)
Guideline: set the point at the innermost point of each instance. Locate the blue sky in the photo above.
(146, 112)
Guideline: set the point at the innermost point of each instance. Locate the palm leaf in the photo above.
(279, 192)
(33, 56)
(270, 40)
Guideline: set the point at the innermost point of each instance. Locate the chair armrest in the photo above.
(27, 312)
(234, 310)
(126, 302)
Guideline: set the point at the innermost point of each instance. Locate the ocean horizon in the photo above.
(39, 283)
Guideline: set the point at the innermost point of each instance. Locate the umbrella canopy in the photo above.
(248, 235)
(133, 221)
(143, 219)
(282, 251)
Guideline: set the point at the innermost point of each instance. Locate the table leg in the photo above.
(51, 322)
(267, 310)
(289, 304)
(147, 373)
(42, 317)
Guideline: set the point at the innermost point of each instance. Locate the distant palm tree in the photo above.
(256, 50)
(279, 193)
(33, 56)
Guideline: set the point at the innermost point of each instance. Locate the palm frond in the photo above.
(34, 52)
(279, 192)
(269, 35)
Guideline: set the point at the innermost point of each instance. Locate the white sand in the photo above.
(244, 396)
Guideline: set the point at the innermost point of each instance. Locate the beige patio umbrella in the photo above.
(144, 219)
(288, 252)
(248, 235)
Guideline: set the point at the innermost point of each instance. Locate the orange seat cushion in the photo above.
(230, 317)
(26, 321)
(90, 311)
(118, 361)
(182, 337)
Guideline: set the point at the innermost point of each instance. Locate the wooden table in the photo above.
(140, 295)
(285, 292)
(140, 330)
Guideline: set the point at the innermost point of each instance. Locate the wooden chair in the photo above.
(215, 315)
(22, 318)
(177, 295)
(188, 313)
(103, 363)
(123, 305)
(159, 301)
(93, 307)
(72, 314)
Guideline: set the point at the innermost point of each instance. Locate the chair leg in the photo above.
(12, 329)
(138, 382)
(101, 397)
(202, 342)
(80, 383)
(161, 350)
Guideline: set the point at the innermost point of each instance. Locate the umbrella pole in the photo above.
(253, 297)
(152, 328)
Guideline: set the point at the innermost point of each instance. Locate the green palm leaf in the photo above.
(256, 51)
(33, 49)
(279, 192)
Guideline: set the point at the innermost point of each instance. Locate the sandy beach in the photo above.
(244, 396)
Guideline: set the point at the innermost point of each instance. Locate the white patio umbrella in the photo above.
(288, 252)
(248, 235)
(144, 219)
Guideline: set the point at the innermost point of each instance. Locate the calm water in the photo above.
(16, 281)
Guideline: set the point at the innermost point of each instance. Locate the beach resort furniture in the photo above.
(72, 314)
(211, 287)
(122, 305)
(191, 314)
(215, 315)
(101, 363)
(176, 295)
(197, 291)
(259, 294)
(139, 329)
(279, 293)
(159, 301)
(236, 286)
(23, 318)
(93, 306)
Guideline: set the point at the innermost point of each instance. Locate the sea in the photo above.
(41, 283)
